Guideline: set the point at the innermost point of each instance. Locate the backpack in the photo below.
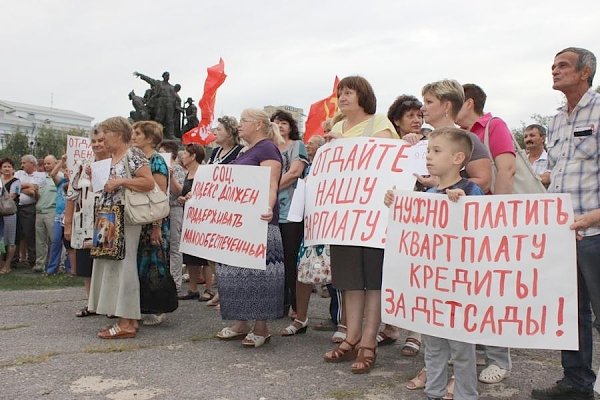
(525, 181)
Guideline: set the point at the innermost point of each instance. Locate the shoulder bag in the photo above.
(142, 208)
(7, 204)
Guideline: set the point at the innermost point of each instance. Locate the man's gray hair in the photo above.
(29, 158)
(585, 59)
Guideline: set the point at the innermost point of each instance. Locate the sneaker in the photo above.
(562, 391)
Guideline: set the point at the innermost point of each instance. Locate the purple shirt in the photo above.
(262, 151)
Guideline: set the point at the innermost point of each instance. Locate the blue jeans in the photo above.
(56, 248)
(577, 365)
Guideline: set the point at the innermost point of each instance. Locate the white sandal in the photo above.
(252, 340)
(229, 334)
(292, 329)
(339, 336)
(493, 374)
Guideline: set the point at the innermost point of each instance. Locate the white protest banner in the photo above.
(296, 213)
(420, 154)
(167, 158)
(79, 149)
(222, 218)
(345, 189)
(495, 270)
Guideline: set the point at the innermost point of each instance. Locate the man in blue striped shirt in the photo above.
(573, 158)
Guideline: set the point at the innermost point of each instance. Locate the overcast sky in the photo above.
(280, 52)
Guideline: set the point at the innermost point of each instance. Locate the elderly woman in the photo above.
(357, 271)
(10, 188)
(228, 140)
(192, 157)
(154, 246)
(295, 161)
(79, 215)
(115, 287)
(252, 294)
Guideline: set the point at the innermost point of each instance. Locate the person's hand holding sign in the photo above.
(268, 215)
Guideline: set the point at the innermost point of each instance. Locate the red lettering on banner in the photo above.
(343, 225)
(345, 191)
(81, 154)
(222, 173)
(399, 156)
(224, 242)
(204, 189)
(431, 212)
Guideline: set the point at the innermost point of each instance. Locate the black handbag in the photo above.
(158, 294)
(108, 240)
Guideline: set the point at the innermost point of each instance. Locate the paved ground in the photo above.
(47, 353)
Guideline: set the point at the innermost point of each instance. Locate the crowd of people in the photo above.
(470, 152)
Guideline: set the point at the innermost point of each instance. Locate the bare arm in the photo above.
(54, 173)
(142, 181)
(69, 210)
(545, 177)
(273, 186)
(176, 187)
(290, 177)
(506, 167)
(480, 172)
(161, 181)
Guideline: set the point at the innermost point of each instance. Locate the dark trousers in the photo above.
(335, 304)
(26, 230)
(577, 365)
(292, 234)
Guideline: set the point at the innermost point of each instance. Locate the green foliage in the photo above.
(48, 141)
(519, 132)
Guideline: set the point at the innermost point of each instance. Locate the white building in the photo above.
(29, 118)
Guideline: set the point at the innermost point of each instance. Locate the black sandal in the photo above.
(206, 295)
(84, 312)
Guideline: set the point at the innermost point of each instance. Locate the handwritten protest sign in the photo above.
(345, 189)
(496, 270)
(79, 149)
(222, 219)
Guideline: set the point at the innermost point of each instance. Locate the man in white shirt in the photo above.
(534, 137)
(31, 181)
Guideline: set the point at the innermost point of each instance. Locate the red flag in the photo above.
(202, 133)
(319, 112)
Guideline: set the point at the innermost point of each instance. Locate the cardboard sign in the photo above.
(495, 270)
(79, 149)
(221, 221)
(345, 189)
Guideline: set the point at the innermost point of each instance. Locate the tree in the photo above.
(519, 133)
(47, 141)
(17, 145)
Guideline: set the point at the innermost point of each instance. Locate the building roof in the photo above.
(31, 108)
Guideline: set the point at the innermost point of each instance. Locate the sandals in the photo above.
(84, 312)
(214, 301)
(418, 382)
(292, 329)
(411, 347)
(493, 374)
(339, 336)
(229, 334)
(252, 340)
(383, 339)
(364, 363)
(154, 319)
(206, 295)
(450, 389)
(116, 332)
(340, 354)
(189, 296)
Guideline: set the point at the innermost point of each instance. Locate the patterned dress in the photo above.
(154, 259)
(252, 294)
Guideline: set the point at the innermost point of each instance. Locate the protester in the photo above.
(252, 294)
(448, 152)
(45, 210)
(442, 101)
(56, 246)
(534, 137)
(176, 178)
(155, 239)
(11, 187)
(295, 161)
(79, 215)
(228, 140)
(115, 284)
(358, 270)
(500, 143)
(405, 113)
(573, 147)
(30, 180)
(193, 156)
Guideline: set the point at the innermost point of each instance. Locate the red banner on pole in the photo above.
(319, 112)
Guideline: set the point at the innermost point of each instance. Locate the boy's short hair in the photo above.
(460, 139)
